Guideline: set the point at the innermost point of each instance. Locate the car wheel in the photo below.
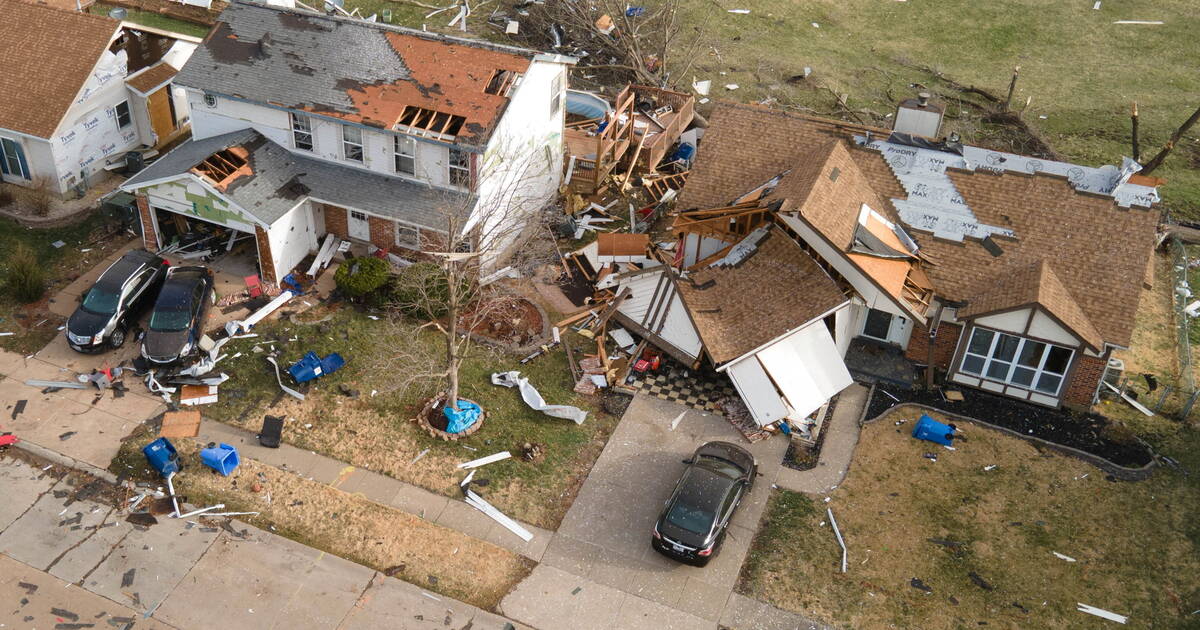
(117, 339)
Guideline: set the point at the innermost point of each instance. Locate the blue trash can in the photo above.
(933, 431)
(332, 363)
(162, 456)
(307, 368)
(222, 458)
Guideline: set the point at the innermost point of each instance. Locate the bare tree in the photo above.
(482, 242)
(1158, 159)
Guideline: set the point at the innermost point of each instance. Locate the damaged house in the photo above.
(823, 245)
(71, 113)
(305, 125)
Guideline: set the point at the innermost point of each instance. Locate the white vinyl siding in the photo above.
(1017, 361)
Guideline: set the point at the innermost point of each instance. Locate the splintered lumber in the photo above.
(477, 502)
(612, 307)
(476, 463)
(571, 362)
(574, 317)
(324, 255)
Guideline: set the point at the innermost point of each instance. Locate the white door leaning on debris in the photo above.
(358, 226)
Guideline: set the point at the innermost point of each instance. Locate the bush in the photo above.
(6, 195)
(359, 276)
(40, 197)
(422, 290)
(25, 278)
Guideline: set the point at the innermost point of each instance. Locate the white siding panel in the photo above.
(1012, 321)
(1043, 327)
(757, 391)
(807, 367)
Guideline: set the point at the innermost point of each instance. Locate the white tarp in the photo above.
(757, 391)
(807, 368)
(530, 395)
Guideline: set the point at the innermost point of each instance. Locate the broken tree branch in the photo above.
(1157, 160)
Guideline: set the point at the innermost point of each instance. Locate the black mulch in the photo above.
(1077, 430)
(801, 457)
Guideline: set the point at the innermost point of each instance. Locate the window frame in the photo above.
(128, 114)
(458, 176)
(415, 244)
(556, 86)
(17, 157)
(304, 129)
(210, 100)
(1014, 362)
(398, 155)
(347, 145)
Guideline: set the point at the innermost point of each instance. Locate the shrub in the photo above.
(25, 278)
(359, 276)
(6, 195)
(39, 197)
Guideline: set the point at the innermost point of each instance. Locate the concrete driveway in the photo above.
(600, 564)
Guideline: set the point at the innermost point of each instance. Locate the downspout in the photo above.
(933, 328)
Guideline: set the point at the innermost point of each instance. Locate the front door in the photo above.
(358, 226)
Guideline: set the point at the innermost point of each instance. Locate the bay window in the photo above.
(1016, 360)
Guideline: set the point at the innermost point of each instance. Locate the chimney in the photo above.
(919, 116)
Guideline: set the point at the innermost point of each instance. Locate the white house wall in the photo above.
(88, 134)
(1043, 327)
(1012, 321)
(521, 168)
(846, 324)
(697, 248)
(39, 157)
(276, 124)
(757, 391)
(190, 197)
(292, 237)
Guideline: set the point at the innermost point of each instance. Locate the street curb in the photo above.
(55, 457)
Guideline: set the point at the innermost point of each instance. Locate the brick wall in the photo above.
(335, 221)
(149, 237)
(1084, 379)
(943, 346)
(266, 263)
(383, 232)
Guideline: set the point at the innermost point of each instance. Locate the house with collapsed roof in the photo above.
(71, 113)
(305, 125)
(1010, 274)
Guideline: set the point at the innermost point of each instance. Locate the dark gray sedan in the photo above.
(695, 519)
(177, 321)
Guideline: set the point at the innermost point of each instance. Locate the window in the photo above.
(1015, 360)
(556, 94)
(124, 118)
(408, 236)
(878, 324)
(302, 136)
(460, 168)
(352, 143)
(405, 149)
(210, 100)
(12, 159)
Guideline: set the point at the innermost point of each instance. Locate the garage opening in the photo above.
(188, 240)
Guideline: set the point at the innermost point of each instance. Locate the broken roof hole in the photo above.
(427, 122)
(224, 166)
(501, 82)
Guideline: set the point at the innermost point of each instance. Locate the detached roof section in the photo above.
(359, 71)
(776, 288)
(273, 180)
(47, 54)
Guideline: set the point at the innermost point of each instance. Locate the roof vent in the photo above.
(991, 246)
(919, 116)
(923, 99)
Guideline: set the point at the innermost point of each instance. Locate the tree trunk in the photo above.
(1157, 160)
(452, 351)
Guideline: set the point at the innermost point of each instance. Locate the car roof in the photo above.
(704, 488)
(115, 276)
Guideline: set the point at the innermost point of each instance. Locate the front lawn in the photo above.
(375, 431)
(1136, 546)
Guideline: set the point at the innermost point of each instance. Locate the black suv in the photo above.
(114, 301)
(693, 523)
(177, 321)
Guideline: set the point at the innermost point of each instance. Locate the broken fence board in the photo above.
(58, 384)
(476, 463)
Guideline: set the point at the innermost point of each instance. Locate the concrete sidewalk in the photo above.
(837, 450)
(184, 574)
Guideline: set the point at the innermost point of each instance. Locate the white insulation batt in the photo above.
(799, 372)
(530, 395)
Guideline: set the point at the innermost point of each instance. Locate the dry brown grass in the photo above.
(1131, 541)
(1155, 338)
(431, 556)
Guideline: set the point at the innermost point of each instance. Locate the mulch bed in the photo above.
(1085, 432)
(801, 457)
(506, 320)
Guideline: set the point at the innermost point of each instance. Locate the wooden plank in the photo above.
(612, 307)
(574, 317)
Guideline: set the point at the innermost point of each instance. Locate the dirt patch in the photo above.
(978, 527)
(513, 321)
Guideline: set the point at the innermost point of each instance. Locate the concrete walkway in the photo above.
(840, 439)
(182, 574)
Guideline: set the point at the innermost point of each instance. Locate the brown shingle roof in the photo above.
(42, 73)
(152, 77)
(778, 288)
(1097, 250)
(1035, 284)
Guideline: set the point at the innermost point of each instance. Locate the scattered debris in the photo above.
(287, 390)
(1099, 612)
(475, 463)
(837, 532)
(534, 400)
(419, 456)
(1062, 557)
(19, 408)
(180, 424)
(919, 585)
(980, 582)
(477, 502)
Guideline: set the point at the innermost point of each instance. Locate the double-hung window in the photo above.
(302, 136)
(408, 236)
(124, 117)
(1016, 360)
(405, 149)
(352, 143)
(460, 168)
(12, 159)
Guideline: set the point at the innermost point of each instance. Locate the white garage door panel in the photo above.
(757, 391)
(807, 368)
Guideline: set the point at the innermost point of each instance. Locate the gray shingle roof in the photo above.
(282, 179)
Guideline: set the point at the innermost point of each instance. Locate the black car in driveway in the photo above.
(177, 321)
(693, 523)
(116, 299)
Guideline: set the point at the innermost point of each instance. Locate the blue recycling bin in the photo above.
(933, 431)
(222, 458)
(162, 456)
(311, 366)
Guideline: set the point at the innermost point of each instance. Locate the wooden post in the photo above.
(1133, 118)
(1012, 85)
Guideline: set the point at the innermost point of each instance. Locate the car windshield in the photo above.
(101, 301)
(170, 320)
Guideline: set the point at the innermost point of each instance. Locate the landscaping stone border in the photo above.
(1118, 471)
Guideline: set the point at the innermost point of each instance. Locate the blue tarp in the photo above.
(458, 421)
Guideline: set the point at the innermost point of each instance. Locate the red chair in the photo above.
(253, 286)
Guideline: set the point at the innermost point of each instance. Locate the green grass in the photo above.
(375, 432)
(62, 265)
(154, 20)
